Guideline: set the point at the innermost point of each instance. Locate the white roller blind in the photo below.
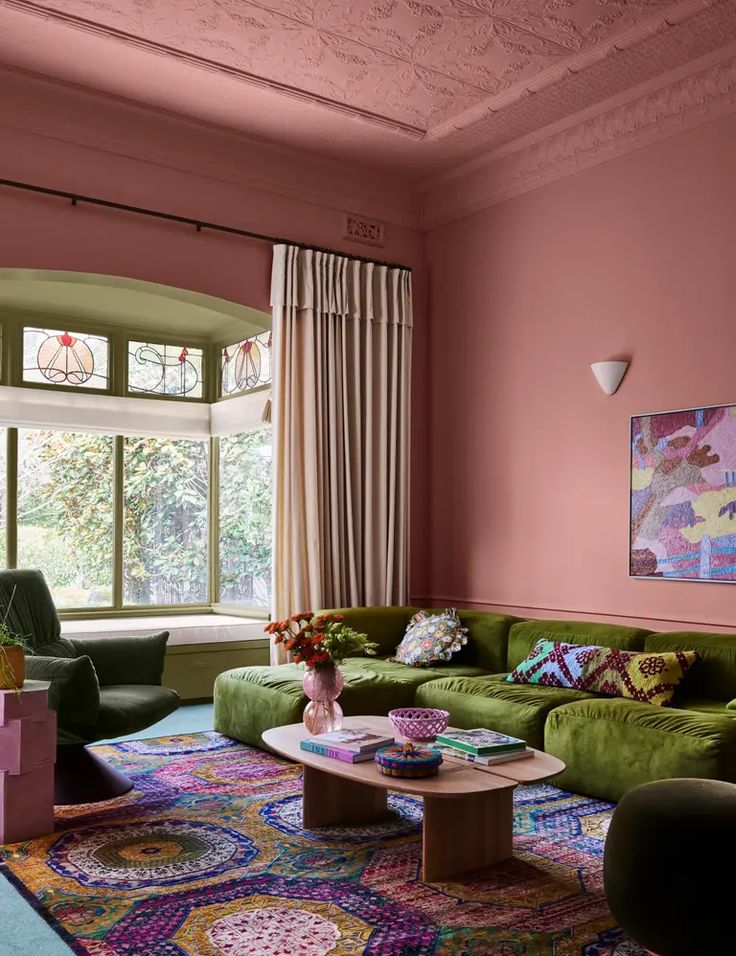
(238, 414)
(116, 415)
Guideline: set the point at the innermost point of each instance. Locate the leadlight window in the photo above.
(55, 357)
(247, 364)
(172, 370)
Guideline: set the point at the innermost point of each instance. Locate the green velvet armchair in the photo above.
(101, 687)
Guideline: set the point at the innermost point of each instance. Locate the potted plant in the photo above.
(12, 654)
(321, 642)
(12, 659)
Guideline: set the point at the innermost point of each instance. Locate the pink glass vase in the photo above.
(322, 685)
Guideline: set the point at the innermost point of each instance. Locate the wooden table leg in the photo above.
(330, 800)
(466, 833)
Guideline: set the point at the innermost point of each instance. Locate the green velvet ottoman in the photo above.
(517, 709)
(610, 745)
(249, 700)
(669, 851)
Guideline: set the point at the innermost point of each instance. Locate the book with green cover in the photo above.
(480, 741)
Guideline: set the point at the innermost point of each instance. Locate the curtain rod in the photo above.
(199, 224)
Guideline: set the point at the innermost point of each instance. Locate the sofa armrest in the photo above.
(74, 693)
(130, 659)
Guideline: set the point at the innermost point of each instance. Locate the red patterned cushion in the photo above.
(648, 678)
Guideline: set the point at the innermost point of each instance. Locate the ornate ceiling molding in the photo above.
(214, 66)
(645, 119)
(111, 124)
(424, 70)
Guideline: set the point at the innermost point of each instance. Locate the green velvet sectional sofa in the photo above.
(608, 744)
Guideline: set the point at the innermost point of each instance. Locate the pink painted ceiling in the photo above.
(417, 83)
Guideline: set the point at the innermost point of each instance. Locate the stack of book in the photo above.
(482, 746)
(352, 746)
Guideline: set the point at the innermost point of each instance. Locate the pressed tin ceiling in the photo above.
(423, 83)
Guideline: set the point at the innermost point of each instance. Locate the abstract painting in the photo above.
(683, 495)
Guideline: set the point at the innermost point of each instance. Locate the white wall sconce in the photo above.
(609, 375)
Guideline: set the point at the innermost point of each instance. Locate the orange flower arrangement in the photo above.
(319, 641)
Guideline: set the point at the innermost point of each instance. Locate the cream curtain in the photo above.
(340, 391)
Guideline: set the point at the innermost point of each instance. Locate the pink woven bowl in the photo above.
(418, 723)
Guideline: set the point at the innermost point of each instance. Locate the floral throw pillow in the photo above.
(431, 638)
(554, 664)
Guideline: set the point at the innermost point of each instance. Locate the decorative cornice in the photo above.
(645, 119)
(322, 181)
(214, 66)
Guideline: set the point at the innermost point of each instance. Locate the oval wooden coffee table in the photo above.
(468, 809)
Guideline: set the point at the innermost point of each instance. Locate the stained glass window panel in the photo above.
(165, 483)
(246, 365)
(56, 357)
(245, 518)
(173, 370)
(65, 513)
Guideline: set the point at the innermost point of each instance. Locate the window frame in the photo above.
(118, 608)
(12, 325)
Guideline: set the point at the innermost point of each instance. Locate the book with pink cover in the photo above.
(358, 740)
(337, 753)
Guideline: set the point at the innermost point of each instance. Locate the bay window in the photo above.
(137, 479)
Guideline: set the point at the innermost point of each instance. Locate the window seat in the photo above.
(184, 628)
(200, 647)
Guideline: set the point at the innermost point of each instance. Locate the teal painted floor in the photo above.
(23, 932)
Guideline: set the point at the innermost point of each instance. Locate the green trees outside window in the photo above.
(65, 513)
(165, 484)
(127, 522)
(245, 518)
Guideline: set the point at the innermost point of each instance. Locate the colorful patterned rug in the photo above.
(207, 857)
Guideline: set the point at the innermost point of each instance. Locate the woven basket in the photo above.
(408, 761)
(418, 723)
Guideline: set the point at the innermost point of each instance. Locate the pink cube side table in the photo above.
(27, 755)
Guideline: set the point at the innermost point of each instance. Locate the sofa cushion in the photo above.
(714, 675)
(488, 633)
(705, 705)
(553, 664)
(612, 745)
(128, 708)
(431, 638)
(519, 710)
(525, 634)
(249, 700)
(383, 625)
(648, 678)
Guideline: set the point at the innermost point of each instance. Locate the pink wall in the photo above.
(529, 470)
(134, 160)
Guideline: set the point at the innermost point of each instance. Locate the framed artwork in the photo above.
(683, 495)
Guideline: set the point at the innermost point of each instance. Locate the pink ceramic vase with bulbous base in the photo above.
(322, 685)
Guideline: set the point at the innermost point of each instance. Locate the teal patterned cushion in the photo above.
(554, 664)
(431, 638)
